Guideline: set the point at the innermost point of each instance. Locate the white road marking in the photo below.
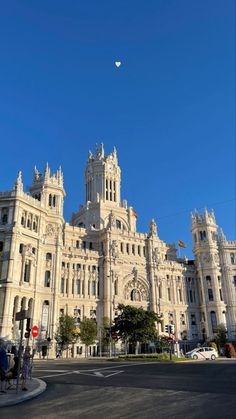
(55, 375)
(92, 372)
(45, 370)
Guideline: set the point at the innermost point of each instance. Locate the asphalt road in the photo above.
(110, 390)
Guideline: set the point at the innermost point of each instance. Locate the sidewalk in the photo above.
(10, 398)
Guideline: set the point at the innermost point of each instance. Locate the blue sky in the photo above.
(169, 109)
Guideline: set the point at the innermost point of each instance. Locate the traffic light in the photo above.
(28, 324)
(172, 329)
(167, 328)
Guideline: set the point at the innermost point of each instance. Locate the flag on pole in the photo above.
(181, 244)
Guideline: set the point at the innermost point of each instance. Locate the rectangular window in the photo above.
(21, 248)
(78, 286)
(221, 296)
(139, 251)
(77, 244)
(4, 216)
(144, 252)
(62, 285)
(27, 271)
(133, 249)
(94, 288)
(180, 295)
(63, 264)
(234, 280)
(127, 248)
(1, 247)
(90, 245)
(122, 248)
(78, 266)
(190, 296)
(84, 245)
(193, 319)
(169, 295)
(210, 294)
(47, 279)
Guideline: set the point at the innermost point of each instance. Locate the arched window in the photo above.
(23, 303)
(15, 308)
(45, 314)
(118, 224)
(135, 295)
(213, 321)
(30, 307)
(50, 200)
(54, 201)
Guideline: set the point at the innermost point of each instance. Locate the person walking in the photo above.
(26, 367)
(3, 364)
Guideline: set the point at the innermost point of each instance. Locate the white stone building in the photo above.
(87, 267)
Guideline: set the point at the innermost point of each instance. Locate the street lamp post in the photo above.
(110, 261)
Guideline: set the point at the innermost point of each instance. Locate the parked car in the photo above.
(202, 353)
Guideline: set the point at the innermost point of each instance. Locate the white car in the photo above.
(202, 353)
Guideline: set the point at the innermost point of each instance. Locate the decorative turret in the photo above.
(102, 177)
(49, 188)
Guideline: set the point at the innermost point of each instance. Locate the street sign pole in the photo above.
(20, 316)
(19, 354)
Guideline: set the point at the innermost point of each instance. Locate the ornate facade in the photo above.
(85, 268)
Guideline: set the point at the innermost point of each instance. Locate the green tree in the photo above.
(88, 333)
(221, 335)
(214, 346)
(67, 333)
(135, 325)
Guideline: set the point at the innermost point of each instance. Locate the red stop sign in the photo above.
(35, 331)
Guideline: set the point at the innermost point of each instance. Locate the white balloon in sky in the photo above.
(117, 64)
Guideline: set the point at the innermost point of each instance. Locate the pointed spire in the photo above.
(222, 237)
(115, 154)
(36, 174)
(90, 155)
(205, 213)
(60, 176)
(47, 171)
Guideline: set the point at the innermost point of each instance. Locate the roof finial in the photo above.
(19, 183)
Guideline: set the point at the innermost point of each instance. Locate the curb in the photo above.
(24, 397)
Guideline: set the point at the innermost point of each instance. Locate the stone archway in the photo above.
(135, 289)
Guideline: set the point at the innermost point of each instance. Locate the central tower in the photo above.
(102, 177)
(103, 195)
